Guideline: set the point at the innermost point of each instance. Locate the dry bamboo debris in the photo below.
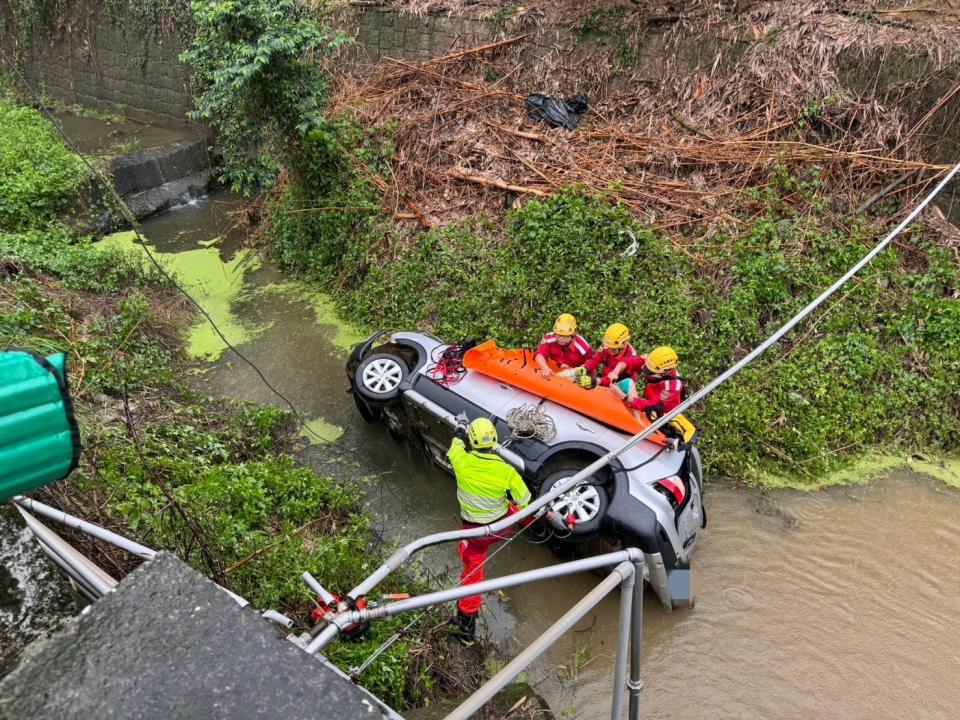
(678, 154)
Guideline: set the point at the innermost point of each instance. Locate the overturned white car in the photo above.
(651, 497)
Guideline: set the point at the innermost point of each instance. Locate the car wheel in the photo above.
(378, 377)
(587, 503)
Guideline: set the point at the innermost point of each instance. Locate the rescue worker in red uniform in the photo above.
(563, 346)
(609, 360)
(662, 386)
(488, 489)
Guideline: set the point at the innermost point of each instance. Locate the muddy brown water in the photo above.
(97, 136)
(839, 604)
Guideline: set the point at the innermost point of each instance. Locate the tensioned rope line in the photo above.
(128, 216)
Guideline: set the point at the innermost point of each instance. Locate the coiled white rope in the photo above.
(529, 421)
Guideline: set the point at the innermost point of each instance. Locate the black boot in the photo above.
(465, 628)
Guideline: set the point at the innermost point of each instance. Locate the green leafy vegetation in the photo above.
(258, 78)
(328, 222)
(39, 178)
(213, 481)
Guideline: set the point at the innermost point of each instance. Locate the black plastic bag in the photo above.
(556, 113)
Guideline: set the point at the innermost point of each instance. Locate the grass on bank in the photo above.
(212, 480)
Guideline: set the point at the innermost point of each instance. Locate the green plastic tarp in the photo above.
(39, 439)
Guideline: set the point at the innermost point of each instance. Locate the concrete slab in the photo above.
(170, 644)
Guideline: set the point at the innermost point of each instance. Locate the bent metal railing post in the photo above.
(628, 573)
(404, 553)
(85, 527)
(623, 639)
(635, 684)
(624, 575)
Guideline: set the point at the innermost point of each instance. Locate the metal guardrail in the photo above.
(627, 573)
(629, 576)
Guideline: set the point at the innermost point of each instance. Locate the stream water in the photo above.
(838, 604)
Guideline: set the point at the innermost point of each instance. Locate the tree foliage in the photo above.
(259, 78)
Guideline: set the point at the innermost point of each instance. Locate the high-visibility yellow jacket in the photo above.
(485, 484)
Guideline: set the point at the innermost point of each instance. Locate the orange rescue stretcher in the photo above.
(516, 367)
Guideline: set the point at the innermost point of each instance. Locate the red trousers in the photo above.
(473, 554)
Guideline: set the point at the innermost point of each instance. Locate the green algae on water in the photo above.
(868, 468)
(320, 431)
(213, 283)
(345, 335)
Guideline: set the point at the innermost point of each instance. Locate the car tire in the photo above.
(366, 412)
(588, 501)
(378, 377)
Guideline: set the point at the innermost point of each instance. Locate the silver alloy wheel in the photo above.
(583, 502)
(382, 376)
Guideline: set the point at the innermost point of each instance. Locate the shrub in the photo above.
(39, 177)
(258, 78)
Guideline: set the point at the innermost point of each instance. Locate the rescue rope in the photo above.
(448, 369)
(529, 421)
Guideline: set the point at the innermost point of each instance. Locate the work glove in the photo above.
(585, 381)
(652, 411)
(460, 431)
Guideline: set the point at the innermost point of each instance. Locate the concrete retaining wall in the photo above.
(106, 60)
(384, 32)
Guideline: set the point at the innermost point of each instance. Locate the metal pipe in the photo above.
(84, 588)
(319, 589)
(75, 564)
(631, 555)
(278, 618)
(85, 527)
(242, 602)
(503, 678)
(408, 550)
(635, 685)
(623, 642)
(450, 419)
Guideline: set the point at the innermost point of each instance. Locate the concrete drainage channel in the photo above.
(158, 178)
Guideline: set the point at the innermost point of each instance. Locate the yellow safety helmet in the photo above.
(661, 360)
(482, 434)
(566, 325)
(616, 336)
